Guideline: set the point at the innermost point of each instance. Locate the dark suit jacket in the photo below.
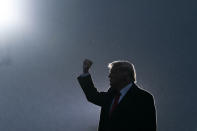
(135, 112)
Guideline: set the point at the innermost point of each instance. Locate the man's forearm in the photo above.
(90, 91)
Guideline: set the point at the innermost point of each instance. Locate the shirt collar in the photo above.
(124, 90)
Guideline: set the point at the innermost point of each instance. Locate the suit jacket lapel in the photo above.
(128, 96)
(111, 94)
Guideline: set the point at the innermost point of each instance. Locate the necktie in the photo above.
(116, 99)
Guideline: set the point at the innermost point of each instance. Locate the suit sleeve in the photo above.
(91, 93)
(149, 115)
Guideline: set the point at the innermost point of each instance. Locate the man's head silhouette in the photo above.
(121, 73)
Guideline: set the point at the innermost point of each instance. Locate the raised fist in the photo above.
(86, 65)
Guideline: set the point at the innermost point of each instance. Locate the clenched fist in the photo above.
(86, 65)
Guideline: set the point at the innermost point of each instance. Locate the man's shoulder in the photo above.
(142, 92)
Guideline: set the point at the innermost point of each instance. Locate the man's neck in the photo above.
(120, 87)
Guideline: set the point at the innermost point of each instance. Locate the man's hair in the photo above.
(124, 66)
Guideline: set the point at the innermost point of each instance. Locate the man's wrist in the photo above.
(85, 74)
(85, 71)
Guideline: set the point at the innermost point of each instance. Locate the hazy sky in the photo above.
(39, 62)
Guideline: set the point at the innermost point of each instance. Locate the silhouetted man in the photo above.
(124, 107)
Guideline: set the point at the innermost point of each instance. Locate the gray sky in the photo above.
(38, 67)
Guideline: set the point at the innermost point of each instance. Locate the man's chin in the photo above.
(111, 84)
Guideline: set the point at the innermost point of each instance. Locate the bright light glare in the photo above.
(10, 14)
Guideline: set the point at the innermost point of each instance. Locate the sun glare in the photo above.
(10, 14)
